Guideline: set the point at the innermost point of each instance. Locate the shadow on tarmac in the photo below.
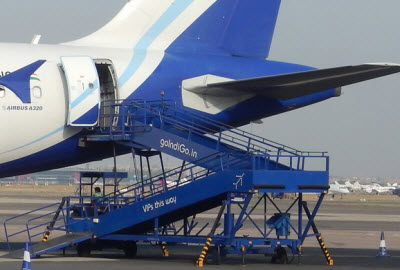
(183, 257)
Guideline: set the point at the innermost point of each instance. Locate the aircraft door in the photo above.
(108, 92)
(83, 91)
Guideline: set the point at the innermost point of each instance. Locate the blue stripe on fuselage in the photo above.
(140, 50)
(178, 64)
(139, 55)
(35, 141)
(85, 94)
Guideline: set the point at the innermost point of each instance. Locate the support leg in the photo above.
(164, 250)
(115, 171)
(321, 242)
(300, 225)
(203, 254)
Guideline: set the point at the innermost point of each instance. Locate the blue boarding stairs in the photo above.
(221, 167)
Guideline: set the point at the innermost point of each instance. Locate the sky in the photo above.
(358, 129)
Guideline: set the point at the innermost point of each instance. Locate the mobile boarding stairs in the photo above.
(221, 167)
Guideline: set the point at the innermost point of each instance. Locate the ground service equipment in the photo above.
(221, 167)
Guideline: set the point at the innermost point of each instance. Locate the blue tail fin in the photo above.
(238, 27)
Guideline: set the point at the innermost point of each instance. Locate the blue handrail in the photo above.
(192, 123)
(28, 229)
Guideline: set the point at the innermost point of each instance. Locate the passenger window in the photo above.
(37, 92)
(2, 92)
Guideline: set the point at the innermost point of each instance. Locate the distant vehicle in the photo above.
(277, 195)
(396, 191)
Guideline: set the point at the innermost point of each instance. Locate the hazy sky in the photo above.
(358, 129)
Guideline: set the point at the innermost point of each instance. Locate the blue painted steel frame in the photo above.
(237, 164)
(228, 238)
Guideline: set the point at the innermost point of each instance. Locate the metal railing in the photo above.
(169, 180)
(138, 116)
(33, 229)
(298, 163)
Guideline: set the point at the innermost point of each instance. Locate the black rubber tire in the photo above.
(130, 250)
(280, 257)
(84, 249)
(214, 255)
(218, 254)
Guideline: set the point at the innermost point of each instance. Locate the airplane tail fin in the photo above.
(238, 27)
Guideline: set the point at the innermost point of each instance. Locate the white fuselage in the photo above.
(42, 123)
(336, 188)
(134, 42)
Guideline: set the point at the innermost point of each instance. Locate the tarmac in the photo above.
(350, 226)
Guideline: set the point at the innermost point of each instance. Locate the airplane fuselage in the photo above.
(205, 56)
(39, 128)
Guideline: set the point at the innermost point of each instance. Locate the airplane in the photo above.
(208, 56)
(352, 187)
(337, 188)
(377, 188)
(357, 187)
(374, 187)
(364, 188)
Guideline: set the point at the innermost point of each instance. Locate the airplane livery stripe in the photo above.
(140, 49)
(85, 94)
(175, 19)
(152, 34)
(37, 140)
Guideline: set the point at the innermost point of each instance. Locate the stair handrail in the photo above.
(190, 126)
(299, 165)
(199, 128)
(249, 135)
(226, 127)
(161, 108)
(231, 128)
(8, 236)
(113, 197)
(28, 229)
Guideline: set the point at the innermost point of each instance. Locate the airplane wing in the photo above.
(292, 85)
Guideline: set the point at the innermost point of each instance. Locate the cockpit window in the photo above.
(2, 92)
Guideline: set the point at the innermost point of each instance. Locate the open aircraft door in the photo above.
(83, 90)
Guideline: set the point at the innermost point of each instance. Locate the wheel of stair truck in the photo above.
(215, 255)
(219, 255)
(130, 249)
(84, 249)
(280, 257)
